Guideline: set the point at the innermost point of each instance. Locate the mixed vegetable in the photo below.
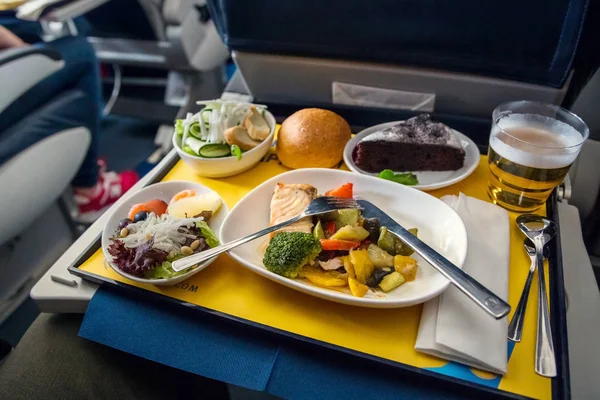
(343, 250)
(222, 129)
(156, 233)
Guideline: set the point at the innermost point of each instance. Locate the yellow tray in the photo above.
(230, 288)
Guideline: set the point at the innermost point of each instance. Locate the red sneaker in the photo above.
(110, 187)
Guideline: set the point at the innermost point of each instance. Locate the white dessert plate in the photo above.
(163, 191)
(428, 180)
(439, 226)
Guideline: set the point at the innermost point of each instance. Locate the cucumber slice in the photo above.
(195, 130)
(215, 150)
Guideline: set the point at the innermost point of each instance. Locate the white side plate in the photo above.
(162, 191)
(439, 226)
(428, 180)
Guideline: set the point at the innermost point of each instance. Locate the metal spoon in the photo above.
(541, 230)
(515, 329)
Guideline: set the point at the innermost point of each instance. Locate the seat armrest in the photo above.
(175, 11)
(9, 55)
(24, 67)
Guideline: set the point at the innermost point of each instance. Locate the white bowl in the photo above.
(428, 180)
(439, 226)
(162, 191)
(228, 166)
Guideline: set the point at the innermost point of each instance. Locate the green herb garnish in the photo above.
(409, 178)
(236, 151)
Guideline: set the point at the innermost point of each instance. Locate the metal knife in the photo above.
(487, 300)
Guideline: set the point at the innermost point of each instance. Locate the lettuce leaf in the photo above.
(179, 127)
(165, 270)
(136, 261)
(209, 235)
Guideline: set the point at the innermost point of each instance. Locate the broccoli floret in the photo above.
(288, 252)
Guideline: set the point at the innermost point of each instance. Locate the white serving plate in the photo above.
(438, 224)
(162, 191)
(428, 180)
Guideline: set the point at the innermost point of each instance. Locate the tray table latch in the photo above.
(564, 189)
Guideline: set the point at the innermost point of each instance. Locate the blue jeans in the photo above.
(31, 31)
(80, 74)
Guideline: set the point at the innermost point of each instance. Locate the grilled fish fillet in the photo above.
(288, 201)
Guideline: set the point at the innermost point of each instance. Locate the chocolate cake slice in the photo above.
(417, 144)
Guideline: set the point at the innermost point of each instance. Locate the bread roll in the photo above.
(312, 138)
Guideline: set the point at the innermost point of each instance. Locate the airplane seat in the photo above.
(186, 46)
(177, 25)
(33, 180)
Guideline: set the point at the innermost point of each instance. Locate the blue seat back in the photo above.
(527, 40)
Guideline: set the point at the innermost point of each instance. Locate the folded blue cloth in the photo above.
(243, 356)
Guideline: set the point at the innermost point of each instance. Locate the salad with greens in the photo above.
(222, 129)
(156, 233)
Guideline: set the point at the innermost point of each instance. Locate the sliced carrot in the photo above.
(183, 194)
(158, 207)
(343, 191)
(332, 244)
(136, 209)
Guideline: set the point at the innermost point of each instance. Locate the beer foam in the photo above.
(552, 133)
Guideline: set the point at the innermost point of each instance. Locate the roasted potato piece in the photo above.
(363, 266)
(325, 279)
(380, 258)
(349, 232)
(406, 266)
(391, 281)
(356, 288)
(349, 267)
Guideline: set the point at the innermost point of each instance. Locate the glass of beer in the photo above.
(532, 147)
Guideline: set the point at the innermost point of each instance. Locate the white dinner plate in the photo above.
(428, 180)
(438, 224)
(162, 191)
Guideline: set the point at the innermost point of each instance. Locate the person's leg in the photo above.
(82, 70)
(79, 72)
(94, 189)
(29, 31)
(51, 362)
(70, 109)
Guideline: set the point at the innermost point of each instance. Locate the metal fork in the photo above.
(320, 205)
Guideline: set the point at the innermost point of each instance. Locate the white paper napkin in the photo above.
(452, 326)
